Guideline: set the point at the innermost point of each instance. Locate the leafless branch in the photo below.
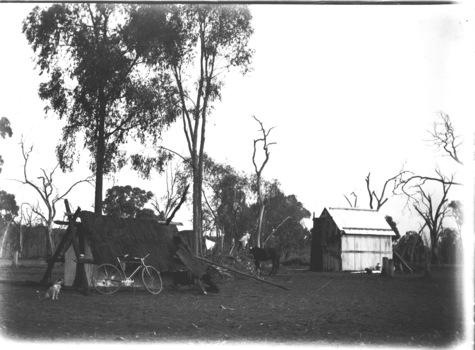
(444, 137)
(352, 205)
(259, 170)
(265, 146)
(382, 199)
(46, 190)
(432, 211)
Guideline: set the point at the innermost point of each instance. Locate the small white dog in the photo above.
(53, 291)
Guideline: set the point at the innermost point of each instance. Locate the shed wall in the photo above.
(359, 252)
(326, 246)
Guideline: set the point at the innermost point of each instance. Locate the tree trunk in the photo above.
(259, 228)
(427, 259)
(197, 213)
(4, 238)
(434, 248)
(49, 239)
(100, 156)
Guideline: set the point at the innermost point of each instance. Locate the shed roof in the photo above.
(360, 221)
(110, 237)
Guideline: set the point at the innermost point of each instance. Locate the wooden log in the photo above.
(241, 273)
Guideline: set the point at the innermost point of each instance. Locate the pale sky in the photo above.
(348, 89)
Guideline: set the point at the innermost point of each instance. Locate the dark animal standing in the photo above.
(264, 254)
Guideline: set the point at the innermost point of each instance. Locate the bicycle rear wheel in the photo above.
(151, 279)
(106, 279)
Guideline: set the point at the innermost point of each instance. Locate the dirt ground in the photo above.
(320, 308)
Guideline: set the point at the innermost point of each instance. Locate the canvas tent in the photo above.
(349, 239)
(102, 238)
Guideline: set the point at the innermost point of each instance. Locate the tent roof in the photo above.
(110, 237)
(360, 221)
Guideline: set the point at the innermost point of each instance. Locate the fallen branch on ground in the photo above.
(241, 273)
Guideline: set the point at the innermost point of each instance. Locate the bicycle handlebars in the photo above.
(125, 256)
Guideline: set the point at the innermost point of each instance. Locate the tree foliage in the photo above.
(8, 206)
(450, 246)
(292, 235)
(233, 210)
(97, 82)
(128, 202)
(228, 211)
(8, 211)
(5, 130)
(456, 208)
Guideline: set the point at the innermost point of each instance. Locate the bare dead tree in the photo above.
(443, 136)
(28, 219)
(48, 193)
(354, 204)
(31, 217)
(382, 199)
(258, 170)
(430, 208)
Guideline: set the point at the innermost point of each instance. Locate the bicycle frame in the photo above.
(141, 266)
(108, 278)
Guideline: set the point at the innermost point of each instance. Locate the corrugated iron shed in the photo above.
(360, 221)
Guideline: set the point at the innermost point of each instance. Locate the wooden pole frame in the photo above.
(80, 264)
(64, 239)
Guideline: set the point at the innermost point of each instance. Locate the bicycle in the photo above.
(108, 279)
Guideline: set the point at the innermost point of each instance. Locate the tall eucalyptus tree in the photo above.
(197, 46)
(97, 82)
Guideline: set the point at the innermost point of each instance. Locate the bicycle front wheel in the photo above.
(151, 279)
(106, 279)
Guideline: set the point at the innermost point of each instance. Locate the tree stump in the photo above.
(384, 270)
(390, 268)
